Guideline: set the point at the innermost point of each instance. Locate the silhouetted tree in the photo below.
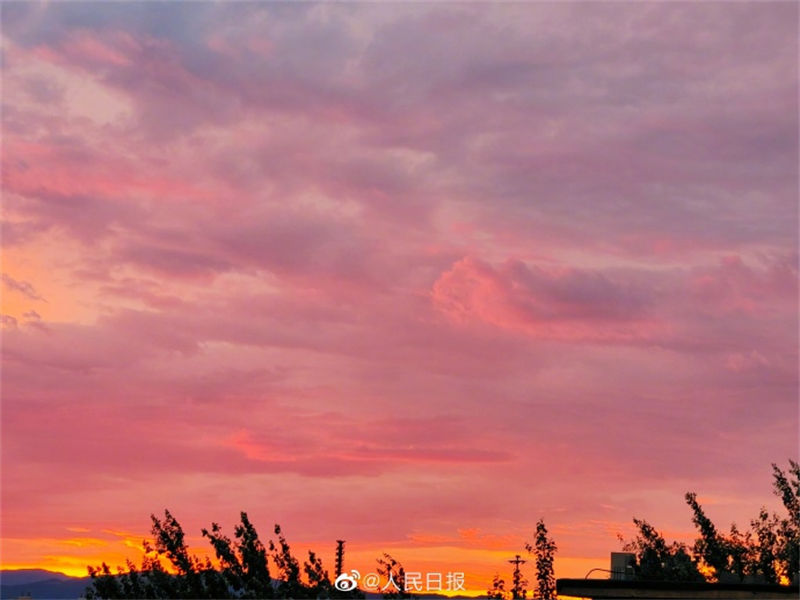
(242, 572)
(393, 572)
(192, 578)
(768, 552)
(243, 564)
(318, 583)
(658, 561)
(787, 488)
(498, 589)
(741, 550)
(738, 555)
(544, 549)
(289, 584)
(765, 529)
(710, 547)
(104, 583)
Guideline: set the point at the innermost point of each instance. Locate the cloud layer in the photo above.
(396, 273)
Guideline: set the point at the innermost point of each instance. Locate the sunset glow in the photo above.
(409, 275)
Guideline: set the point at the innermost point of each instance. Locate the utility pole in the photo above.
(518, 591)
(339, 557)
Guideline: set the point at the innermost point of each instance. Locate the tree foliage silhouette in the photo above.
(544, 549)
(658, 561)
(498, 589)
(242, 570)
(289, 584)
(768, 552)
(192, 577)
(243, 565)
(787, 533)
(391, 570)
(710, 546)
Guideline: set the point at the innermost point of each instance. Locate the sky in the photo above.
(409, 275)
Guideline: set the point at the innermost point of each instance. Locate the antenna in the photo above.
(517, 561)
(518, 591)
(339, 557)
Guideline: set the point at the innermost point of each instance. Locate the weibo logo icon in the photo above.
(347, 581)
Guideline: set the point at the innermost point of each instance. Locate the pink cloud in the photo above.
(557, 304)
(327, 264)
(84, 46)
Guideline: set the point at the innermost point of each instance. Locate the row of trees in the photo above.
(243, 569)
(543, 550)
(767, 552)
